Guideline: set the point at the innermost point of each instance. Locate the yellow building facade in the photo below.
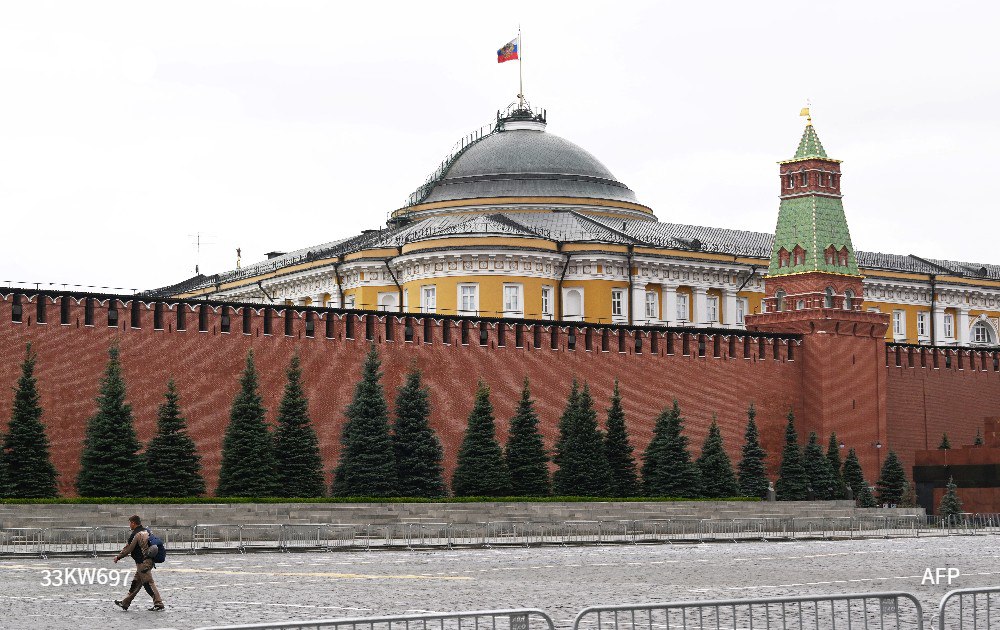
(519, 223)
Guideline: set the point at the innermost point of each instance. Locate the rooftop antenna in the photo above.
(197, 236)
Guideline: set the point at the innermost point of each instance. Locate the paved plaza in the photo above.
(229, 588)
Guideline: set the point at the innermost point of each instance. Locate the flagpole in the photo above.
(520, 69)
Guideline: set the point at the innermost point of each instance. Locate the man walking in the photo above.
(138, 544)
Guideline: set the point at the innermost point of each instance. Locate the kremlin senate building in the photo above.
(523, 256)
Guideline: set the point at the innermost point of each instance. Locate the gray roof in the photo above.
(572, 226)
(527, 163)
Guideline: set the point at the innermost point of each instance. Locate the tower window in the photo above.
(779, 300)
(848, 300)
(828, 298)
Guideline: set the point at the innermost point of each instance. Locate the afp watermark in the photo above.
(937, 575)
(85, 577)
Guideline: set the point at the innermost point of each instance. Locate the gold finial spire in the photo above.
(805, 112)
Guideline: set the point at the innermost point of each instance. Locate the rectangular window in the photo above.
(949, 326)
(428, 299)
(980, 334)
(546, 302)
(712, 308)
(512, 300)
(922, 324)
(898, 324)
(682, 307)
(617, 303)
(741, 311)
(651, 301)
(468, 299)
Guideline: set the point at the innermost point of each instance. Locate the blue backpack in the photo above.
(156, 551)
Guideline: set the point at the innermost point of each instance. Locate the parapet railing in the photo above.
(233, 538)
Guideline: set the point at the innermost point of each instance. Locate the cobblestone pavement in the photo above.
(224, 589)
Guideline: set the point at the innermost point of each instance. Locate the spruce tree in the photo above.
(481, 470)
(793, 482)
(24, 456)
(978, 441)
(248, 464)
(527, 460)
(171, 457)
(951, 505)
(945, 443)
(753, 481)
(667, 469)
(110, 465)
(892, 481)
(818, 470)
(582, 465)
(298, 465)
(419, 469)
(367, 466)
(854, 478)
(836, 467)
(618, 449)
(717, 477)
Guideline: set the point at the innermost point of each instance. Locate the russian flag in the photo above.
(508, 52)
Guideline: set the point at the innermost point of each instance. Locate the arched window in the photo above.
(387, 302)
(573, 303)
(983, 333)
(828, 298)
(782, 257)
(842, 256)
(779, 300)
(848, 300)
(798, 256)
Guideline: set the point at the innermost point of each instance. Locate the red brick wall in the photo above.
(924, 402)
(206, 366)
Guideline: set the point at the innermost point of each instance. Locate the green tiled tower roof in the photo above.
(809, 145)
(812, 221)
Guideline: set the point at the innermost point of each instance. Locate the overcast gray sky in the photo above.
(127, 128)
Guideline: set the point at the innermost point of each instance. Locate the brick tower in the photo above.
(813, 287)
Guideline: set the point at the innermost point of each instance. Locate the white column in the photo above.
(317, 300)
(938, 324)
(668, 314)
(700, 294)
(334, 298)
(638, 304)
(729, 307)
(963, 326)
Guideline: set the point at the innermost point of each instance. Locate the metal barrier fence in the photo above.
(970, 609)
(207, 538)
(863, 611)
(522, 619)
